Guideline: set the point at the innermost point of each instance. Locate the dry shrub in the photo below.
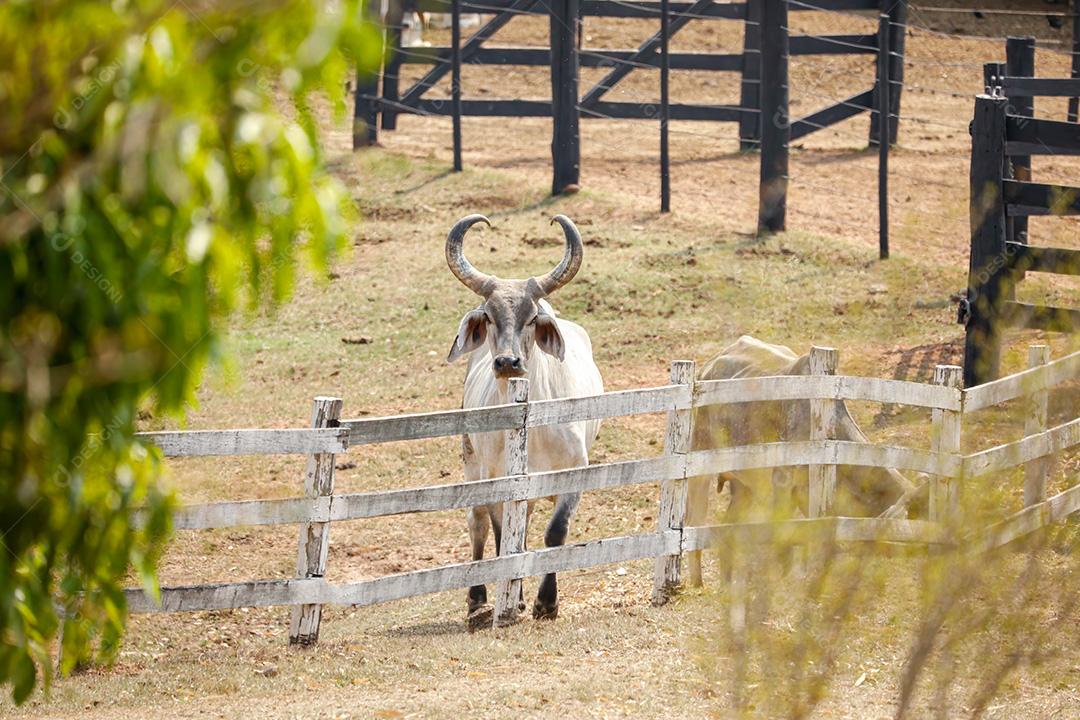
(943, 630)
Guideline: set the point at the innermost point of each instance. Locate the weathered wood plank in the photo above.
(834, 387)
(224, 596)
(816, 530)
(990, 283)
(515, 519)
(667, 571)
(1037, 136)
(774, 106)
(1022, 383)
(1064, 504)
(650, 9)
(314, 541)
(832, 114)
(820, 452)
(1010, 455)
(1039, 87)
(833, 44)
(1042, 199)
(480, 492)
(1029, 258)
(356, 506)
(505, 417)
(822, 478)
(592, 58)
(446, 423)
(613, 404)
(1025, 522)
(1043, 317)
(1035, 421)
(206, 516)
(945, 438)
(676, 111)
(395, 587)
(179, 443)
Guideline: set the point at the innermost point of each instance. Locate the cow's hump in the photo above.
(749, 357)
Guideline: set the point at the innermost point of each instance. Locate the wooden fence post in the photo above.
(822, 478)
(1074, 103)
(365, 131)
(667, 575)
(750, 91)
(515, 512)
(897, 11)
(884, 126)
(391, 80)
(945, 438)
(1020, 62)
(988, 270)
(455, 79)
(665, 110)
(315, 536)
(566, 139)
(1035, 421)
(775, 123)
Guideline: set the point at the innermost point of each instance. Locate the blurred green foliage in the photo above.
(150, 185)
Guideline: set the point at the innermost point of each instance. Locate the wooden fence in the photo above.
(762, 65)
(329, 436)
(1003, 196)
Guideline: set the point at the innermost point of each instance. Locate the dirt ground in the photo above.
(654, 288)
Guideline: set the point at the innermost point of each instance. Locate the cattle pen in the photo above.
(329, 436)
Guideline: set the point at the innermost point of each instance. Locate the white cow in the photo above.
(504, 333)
(862, 490)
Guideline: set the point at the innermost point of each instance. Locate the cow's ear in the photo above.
(470, 335)
(548, 337)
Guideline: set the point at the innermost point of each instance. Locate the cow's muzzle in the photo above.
(508, 366)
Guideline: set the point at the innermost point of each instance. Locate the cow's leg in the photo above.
(742, 500)
(547, 599)
(480, 613)
(698, 490)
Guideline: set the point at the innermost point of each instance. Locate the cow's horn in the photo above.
(472, 278)
(571, 261)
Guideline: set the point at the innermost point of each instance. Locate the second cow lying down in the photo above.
(861, 491)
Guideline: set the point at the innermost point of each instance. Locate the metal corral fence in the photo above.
(329, 436)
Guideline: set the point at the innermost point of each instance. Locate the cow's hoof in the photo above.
(480, 617)
(545, 612)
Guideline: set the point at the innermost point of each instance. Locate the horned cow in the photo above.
(515, 332)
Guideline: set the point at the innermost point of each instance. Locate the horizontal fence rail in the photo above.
(265, 593)
(826, 387)
(249, 442)
(322, 506)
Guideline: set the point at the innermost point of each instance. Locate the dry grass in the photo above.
(653, 289)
